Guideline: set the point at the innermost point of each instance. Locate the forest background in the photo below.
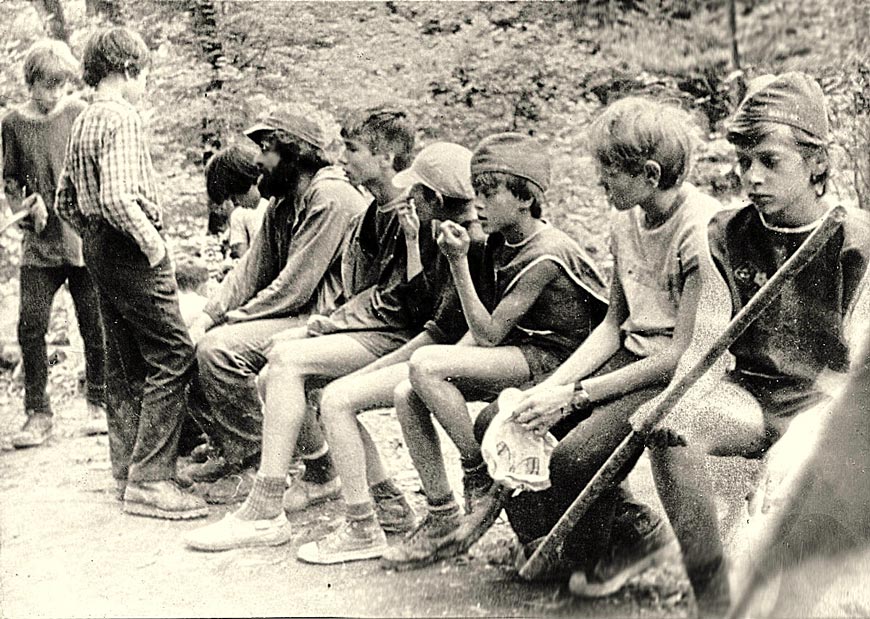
(461, 70)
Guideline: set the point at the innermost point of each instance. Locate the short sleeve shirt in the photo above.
(245, 222)
(653, 263)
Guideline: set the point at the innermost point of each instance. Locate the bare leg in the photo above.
(433, 368)
(285, 403)
(341, 401)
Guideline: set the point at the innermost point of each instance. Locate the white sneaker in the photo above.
(231, 532)
(302, 494)
(351, 541)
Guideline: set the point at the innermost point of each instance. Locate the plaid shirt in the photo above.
(108, 174)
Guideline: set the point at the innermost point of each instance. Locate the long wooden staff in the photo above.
(633, 444)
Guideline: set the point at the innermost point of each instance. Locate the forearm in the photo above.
(479, 319)
(596, 350)
(415, 263)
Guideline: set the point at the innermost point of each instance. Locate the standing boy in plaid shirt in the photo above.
(107, 192)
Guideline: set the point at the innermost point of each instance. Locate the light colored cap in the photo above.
(444, 167)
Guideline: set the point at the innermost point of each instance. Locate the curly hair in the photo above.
(115, 50)
(521, 188)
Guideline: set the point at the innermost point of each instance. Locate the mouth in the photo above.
(760, 199)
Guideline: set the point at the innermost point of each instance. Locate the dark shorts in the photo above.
(380, 343)
(542, 357)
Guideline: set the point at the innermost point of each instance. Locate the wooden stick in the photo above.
(633, 444)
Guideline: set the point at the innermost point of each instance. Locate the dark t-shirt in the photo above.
(33, 155)
(801, 333)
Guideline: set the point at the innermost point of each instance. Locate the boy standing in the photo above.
(34, 142)
(107, 192)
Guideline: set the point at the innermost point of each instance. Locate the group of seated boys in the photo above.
(440, 284)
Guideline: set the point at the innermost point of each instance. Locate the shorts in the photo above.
(542, 357)
(380, 343)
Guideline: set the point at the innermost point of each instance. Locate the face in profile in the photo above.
(279, 176)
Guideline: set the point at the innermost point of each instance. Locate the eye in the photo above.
(744, 163)
(769, 161)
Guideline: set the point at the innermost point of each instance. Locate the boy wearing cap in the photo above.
(661, 262)
(291, 270)
(540, 297)
(377, 346)
(107, 192)
(784, 371)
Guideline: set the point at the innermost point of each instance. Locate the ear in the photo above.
(385, 160)
(652, 172)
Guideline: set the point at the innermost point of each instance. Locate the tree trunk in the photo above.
(113, 10)
(205, 28)
(53, 19)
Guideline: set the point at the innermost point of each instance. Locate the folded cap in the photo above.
(443, 167)
(513, 153)
(304, 122)
(794, 99)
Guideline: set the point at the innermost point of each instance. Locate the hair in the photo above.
(521, 188)
(114, 50)
(191, 272)
(810, 147)
(230, 172)
(50, 61)
(634, 130)
(384, 130)
(305, 157)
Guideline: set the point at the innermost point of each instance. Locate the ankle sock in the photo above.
(360, 511)
(319, 470)
(386, 489)
(264, 500)
(439, 502)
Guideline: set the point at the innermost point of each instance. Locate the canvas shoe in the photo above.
(354, 540)
(302, 494)
(230, 532)
(623, 562)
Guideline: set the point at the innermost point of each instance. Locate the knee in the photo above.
(424, 365)
(403, 394)
(334, 400)
(283, 358)
(209, 349)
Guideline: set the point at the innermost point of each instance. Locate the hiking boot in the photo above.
(233, 488)
(485, 509)
(96, 423)
(353, 540)
(432, 540)
(476, 484)
(35, 431)
(231, 532)
(302, 494)
(395, 514)
(162, 499)
(623, 562)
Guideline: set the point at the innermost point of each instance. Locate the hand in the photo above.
(542, 406)
(38, 211)
(199, 326)
(318, 324)
(158, 256)
(408, 219)
(453, 240)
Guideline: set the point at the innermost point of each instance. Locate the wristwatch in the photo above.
(580, 400)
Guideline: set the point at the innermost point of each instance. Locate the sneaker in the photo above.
(96, 424)
(231, 532)
(484, 511)
(302, 494)
(229, 489)
(34, 432)
(431, 541)
(395, 514)
(162, 499)
(188, 472)
(354, 540)
(622, 563)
